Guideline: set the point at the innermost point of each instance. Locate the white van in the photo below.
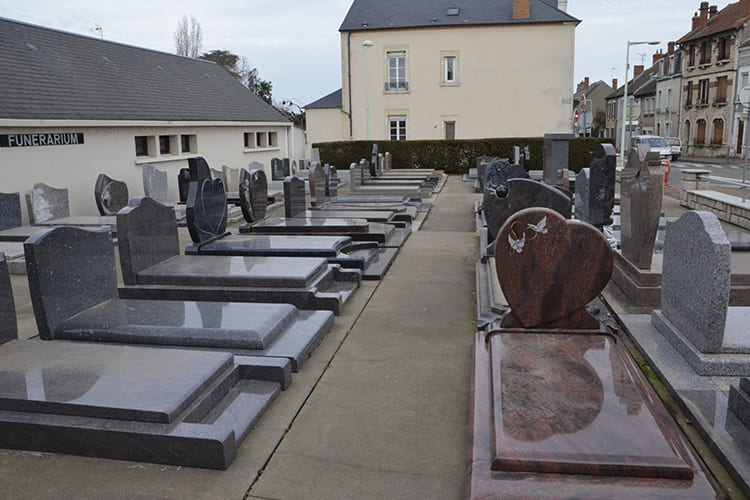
(656, 142)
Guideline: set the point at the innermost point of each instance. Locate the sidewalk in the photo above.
(381, 409)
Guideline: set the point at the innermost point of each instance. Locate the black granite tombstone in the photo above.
(110, 195)
(294, 197)
(602, 185)
(183, 184)
(278, 172)
(10, 210)
(496, 175)
(8, 325)
(206, 209)
(319, 185)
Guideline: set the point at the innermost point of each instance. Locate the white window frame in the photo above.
(397, 78)
(449, 69)
(397, 133)
(446, 125)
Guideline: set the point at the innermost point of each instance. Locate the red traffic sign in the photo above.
(576, 115)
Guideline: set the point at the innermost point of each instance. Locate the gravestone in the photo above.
(481, 163)
(154, 183)
(355, 176)
(517, 155)
(696, 279)
(642, 184)
(521, 194)
(373, 161)
(526, 158)
(110, 195)
(317, 180)
(294, 197)
(556, 148)
(582, 197)
(332, 181)
(45, 203)
(199, 169)
(278, 172)
(387, 162)
(231, 178)
(183, 184)
(8, 326)
(206, 209)
(293, 168)
(287, 164)
(549, 269)
(255, 165)
(497, 173)
(381, 160)
(10, 210)
(314, 155)
(218, 174)
(254, 195)
(563, 179)
(602, 185)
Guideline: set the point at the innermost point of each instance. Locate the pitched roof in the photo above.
(54, 75)
(729, 18)
(591, 88)
(394, 14)
(332, 100)
(639, 85)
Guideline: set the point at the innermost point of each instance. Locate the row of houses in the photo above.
(693, 91)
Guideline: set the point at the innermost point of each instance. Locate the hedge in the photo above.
(454, 157)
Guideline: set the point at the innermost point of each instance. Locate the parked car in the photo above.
(675, 145)
(656, 142)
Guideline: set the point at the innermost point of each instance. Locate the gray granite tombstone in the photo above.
(287, 167)
(206, 209)
(231, 178)
(642, 185)
(521, 194)
(45, 203)
(254, 195)
(198, 168)
(278, 172)
(602, 185)
(526, 158)
(154, 183)
(387, 162)
(254, 165)
(10, 210)
(355, 176)
(556, 149)
(563, 179)
(8, 326)
(498, 172)
(294, 197)
(517, 155)
(110, 195)
(379, 169)
(332, 182)
(582, 195)
(374, 161)
(218, 174)
(314, 155)
(318, 188)
(183, 183)
(145, 237)
(481, 163)
(696, 279)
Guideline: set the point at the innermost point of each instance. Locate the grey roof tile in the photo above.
(54, 75)
(332, 100)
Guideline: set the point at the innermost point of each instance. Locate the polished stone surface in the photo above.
(147, 234)
(307, 226)
(549, 268)
(198, 168)
(232, 176)
(318, 185)
(278, 170)
(497, 173)
(642, 185)
(571, 416)
(110, 195)
(154, 183)
(89, 221)
(253, 194)
(520, 194)
(269, 245)
(10, 210)
(582, 195)
(45, 202)
(695, 280)
(294, 197)
(206, 209)
(183, 184)
(19, 234)
(556, 148)
(601, 185)
(381, 216)
(8, 326)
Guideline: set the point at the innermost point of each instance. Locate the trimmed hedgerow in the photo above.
(454, 157)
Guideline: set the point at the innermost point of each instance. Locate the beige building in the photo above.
(74, 107)
(471, 70)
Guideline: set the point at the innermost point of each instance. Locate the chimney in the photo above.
(637, 70)
(670, 48)
(562, 5)
(712, 11)
(614, 83)
(586, 82)
(521, 9)
(703, 15)
(657, 55)
(745, 7)
(696, 22)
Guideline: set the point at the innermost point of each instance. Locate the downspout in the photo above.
(349, 77)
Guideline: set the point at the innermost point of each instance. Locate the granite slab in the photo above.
(19, 233)
(45, 202)
(10, 210)
(110, 195)
(571, 416)
(299, 225)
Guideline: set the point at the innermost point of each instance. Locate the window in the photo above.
(743, 80)
(689, 94)
(700, 131)
(397, 128)
(691, 55)
(723, 49)
(706, 53)
(188, 144)
(165, 145)
(658, 103)
(141, 145)
(718, 137)
(261, 140)
(273, 139)
(669, 100)
(396, 71)
(721, 89)
(449, 69)
(450, 130)
(249, 140)
(702, 91)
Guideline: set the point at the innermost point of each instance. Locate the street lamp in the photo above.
(625, 98)
(367, 44)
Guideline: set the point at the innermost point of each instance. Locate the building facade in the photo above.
(465, 71)
(74, 107)
(592, 98)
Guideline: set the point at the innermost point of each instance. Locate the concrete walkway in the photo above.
(381, 410)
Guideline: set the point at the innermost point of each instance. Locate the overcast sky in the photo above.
(295, 43)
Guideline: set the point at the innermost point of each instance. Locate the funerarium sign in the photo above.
(25, 140)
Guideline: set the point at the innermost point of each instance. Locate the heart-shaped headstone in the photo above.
(549, 268)
(206, 209)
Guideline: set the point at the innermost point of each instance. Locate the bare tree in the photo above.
(188, 37)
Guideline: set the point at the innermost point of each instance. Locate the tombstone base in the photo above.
(491, 303)
(586, 423)
(641, 286)
(169, 406)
